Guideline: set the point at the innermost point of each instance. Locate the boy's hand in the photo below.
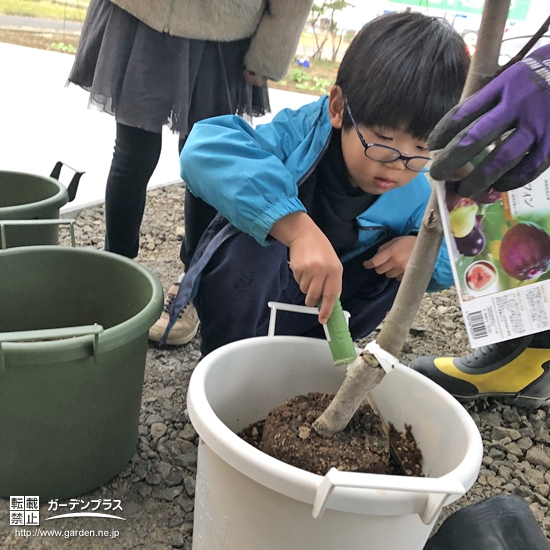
(392, 257)
(313, 261)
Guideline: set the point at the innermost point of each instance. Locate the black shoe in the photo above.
(516, 370)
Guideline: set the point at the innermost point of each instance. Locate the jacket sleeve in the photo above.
(274, 44)
(442, 276)
(241, 173)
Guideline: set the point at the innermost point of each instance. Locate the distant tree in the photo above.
(324, 26)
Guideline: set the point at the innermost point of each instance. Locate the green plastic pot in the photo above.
(73, 342)
(30, 197)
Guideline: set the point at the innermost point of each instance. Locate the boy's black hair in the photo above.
(403, 71)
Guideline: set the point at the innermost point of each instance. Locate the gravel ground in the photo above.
(157, 488)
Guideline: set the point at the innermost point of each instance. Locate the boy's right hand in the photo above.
(313, 261)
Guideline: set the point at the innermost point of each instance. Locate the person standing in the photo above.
(172, 63)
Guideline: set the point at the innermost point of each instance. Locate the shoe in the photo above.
(185, 327)
(516, 370)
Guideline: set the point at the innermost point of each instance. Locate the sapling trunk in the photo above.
(365, 373)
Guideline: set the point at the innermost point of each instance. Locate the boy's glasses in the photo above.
(383, 153)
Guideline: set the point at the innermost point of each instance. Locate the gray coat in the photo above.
(275, 25)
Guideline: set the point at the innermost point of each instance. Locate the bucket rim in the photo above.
(31, 209)
(236, 452)
(112, 337)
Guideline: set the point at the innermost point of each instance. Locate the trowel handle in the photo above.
(339, 337)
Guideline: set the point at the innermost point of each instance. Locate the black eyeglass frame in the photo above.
(398, 153)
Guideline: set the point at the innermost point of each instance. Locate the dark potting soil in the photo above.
(287, 434)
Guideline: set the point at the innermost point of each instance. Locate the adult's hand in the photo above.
(254, 79)
(517, 100)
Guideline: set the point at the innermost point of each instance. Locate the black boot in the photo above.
(497, 523)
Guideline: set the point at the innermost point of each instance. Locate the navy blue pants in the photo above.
(243, 276)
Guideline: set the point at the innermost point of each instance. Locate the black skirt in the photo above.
(148, 79)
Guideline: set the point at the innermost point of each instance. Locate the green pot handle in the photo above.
(16, 340)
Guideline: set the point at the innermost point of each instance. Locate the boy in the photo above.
(335, 189)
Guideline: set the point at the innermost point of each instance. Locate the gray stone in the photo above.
(534, 477)
(505, 473)
(142, 469)
(536, 456)
(496, 453)
(542, 435)
(493, 481)
(186, 529)
(514, 449)
(491, 418)
(144, 490)
(158, 429)
(152, 419)
(538, 511)
(189, 484)
(153, 478)
(176, 540)
(171, 493)
(524, 443)
(543, 489)
(487, 460)
(185, 503)
(500, 432)
(185, 446)
(169, 450)
(524, 492)
(188, 433)
(143, 430)
(164, 468)
(173, 478)
(188, 459)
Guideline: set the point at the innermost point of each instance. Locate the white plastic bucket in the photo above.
(248, 500)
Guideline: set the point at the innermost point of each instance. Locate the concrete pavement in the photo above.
(43, 121)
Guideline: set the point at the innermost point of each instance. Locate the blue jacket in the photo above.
(251, 176)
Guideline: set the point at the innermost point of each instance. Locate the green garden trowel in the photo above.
(339, 337)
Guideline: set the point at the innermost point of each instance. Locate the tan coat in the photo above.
(275, 25)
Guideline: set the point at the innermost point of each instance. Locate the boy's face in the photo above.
(370, 175)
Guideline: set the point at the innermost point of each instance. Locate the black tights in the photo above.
(135, 158)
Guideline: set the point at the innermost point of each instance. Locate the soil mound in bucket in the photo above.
(287, 435)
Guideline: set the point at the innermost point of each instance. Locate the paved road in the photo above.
(16, 21)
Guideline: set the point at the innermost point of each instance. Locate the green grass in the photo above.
(72, 10)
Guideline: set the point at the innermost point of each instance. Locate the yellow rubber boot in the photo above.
(516, 370)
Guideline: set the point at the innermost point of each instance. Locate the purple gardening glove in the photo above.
(518, 100)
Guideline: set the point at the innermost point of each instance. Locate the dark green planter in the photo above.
(73, 342)
(29, 197)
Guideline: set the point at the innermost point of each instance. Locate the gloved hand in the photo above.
(519, 100)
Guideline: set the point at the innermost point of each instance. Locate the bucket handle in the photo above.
(73, 185)
(274, 306)
(3, 223)
(7, 339)
(438, 489)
